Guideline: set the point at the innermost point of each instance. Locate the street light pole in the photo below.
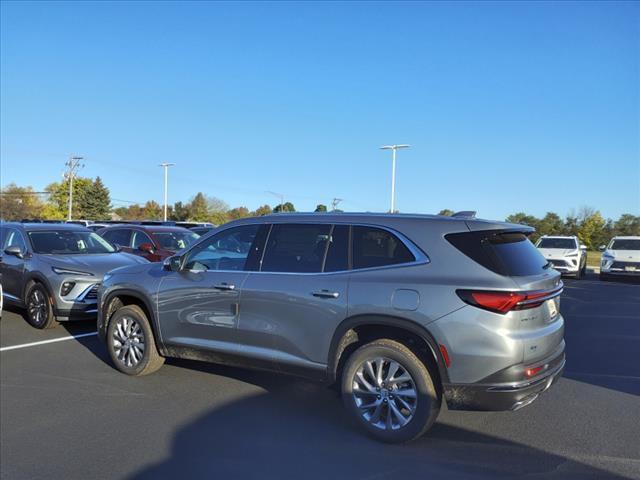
(393, 149)
(280, 196)
(166, 185)
(73, 165)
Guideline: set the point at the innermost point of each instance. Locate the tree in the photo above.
(446, 212)
(263, 210)
(590, 226)
(551, 224)
(320, 208)
(17, 203)
(180, 212)
(199, 208)
(97, 203)
(152, 210)
(59, 196)
(238, 212)
(287, 207)
(627, 224)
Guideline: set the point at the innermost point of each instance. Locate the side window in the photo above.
(119, 237)
(338, 251)
(296, 248)
(13, 238)
(228, 250)
(375, 247)
(139, 238)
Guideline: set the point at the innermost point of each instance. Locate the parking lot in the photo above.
(66, 413)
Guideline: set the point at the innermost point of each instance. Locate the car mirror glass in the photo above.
(173, 263)
(146, 247)
(602, 248)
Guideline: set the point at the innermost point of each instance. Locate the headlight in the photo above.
(66, 271)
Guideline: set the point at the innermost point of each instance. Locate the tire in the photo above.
(131, 343)
(418, 411)
(39, 307)
(579, 274)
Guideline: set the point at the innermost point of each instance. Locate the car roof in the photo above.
(34, 227)
(626, 237)
(559, 236)
(148, 228)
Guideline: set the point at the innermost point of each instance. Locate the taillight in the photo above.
(504, 302)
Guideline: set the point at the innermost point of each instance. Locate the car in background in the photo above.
(55, 270)
(94, 227)
(620, 258)
(565, 253)
(153, 242)
(202, 230)
(400, 311)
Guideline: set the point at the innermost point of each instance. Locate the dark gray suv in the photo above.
(401, 311)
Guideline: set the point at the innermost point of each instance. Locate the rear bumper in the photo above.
(499, 397)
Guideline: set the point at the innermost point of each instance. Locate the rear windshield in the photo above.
(506, 253)
(563, 243)
(625, 244)
(174, 241)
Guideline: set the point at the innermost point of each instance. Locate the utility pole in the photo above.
(73, 165)
(166, 188)
(280, 196)
(393, 148)
(334, 203)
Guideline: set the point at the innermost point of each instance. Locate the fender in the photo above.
(35, 275)
(103, 322)
(384, 320)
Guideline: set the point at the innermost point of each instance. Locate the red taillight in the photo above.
(504, 302)
(530, 372)
(445, 355)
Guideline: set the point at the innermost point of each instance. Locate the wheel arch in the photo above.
(129, 297)
(39, 278)
(353, 331)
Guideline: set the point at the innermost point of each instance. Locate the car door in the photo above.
(12, 268)
(290, 309)
(198, 306)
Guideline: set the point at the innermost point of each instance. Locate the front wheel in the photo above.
(39, 308)
(389, 391)
(130, 342)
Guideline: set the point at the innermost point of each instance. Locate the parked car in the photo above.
(202, 230)
(54, 270)
(401, 311)
(565, 253)
(620, 258)
(94, 227)
(153, 242)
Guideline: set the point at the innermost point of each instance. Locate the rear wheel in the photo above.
(389, 391)
(39, 307)
(130, 342)
(579, 274)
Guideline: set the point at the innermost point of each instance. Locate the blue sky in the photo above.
(508, 106)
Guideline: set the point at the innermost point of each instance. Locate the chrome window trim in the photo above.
(421, 258)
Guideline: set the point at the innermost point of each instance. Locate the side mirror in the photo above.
(14, 250)
(583, 247)
(173, 264)
(602, 248)
(146, 247)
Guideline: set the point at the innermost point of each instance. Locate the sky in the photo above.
(508, 107)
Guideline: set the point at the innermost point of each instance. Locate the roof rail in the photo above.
(465, 214)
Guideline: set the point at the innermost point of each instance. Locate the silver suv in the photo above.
(54, 270)
(401, 311)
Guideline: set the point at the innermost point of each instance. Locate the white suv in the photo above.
(620, 257)
(566, 254)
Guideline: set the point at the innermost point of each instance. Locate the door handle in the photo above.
(224, 286)
(325, 294)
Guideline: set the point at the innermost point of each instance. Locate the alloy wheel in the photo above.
(37, 307)
(128, 341)
(385, 393)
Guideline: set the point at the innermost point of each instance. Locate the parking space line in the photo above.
(43, 342)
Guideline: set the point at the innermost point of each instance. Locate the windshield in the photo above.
(69, 243)
(175, 241)
(625, 244)
(564, 243)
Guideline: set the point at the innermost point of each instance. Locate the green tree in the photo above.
(446, 212)
(59, 196)
(199, 208)
(152, 210)
(180, 212)
(551, 224)
(263, 210)
(287, 207)
(97, 203)
(320, 208)
(238, 212)
(17, 203)
(627, 224)
(590, 226)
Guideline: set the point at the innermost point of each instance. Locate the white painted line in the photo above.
(43, 342)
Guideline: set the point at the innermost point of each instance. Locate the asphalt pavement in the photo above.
(65, 413)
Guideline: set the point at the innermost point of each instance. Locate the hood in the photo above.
(97, 264)
(556, 252)
(624, 255)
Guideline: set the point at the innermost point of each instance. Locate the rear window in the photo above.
(563, 243)
(506, 253)
(374, 247)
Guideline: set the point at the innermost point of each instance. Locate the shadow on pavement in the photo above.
(299, 431)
